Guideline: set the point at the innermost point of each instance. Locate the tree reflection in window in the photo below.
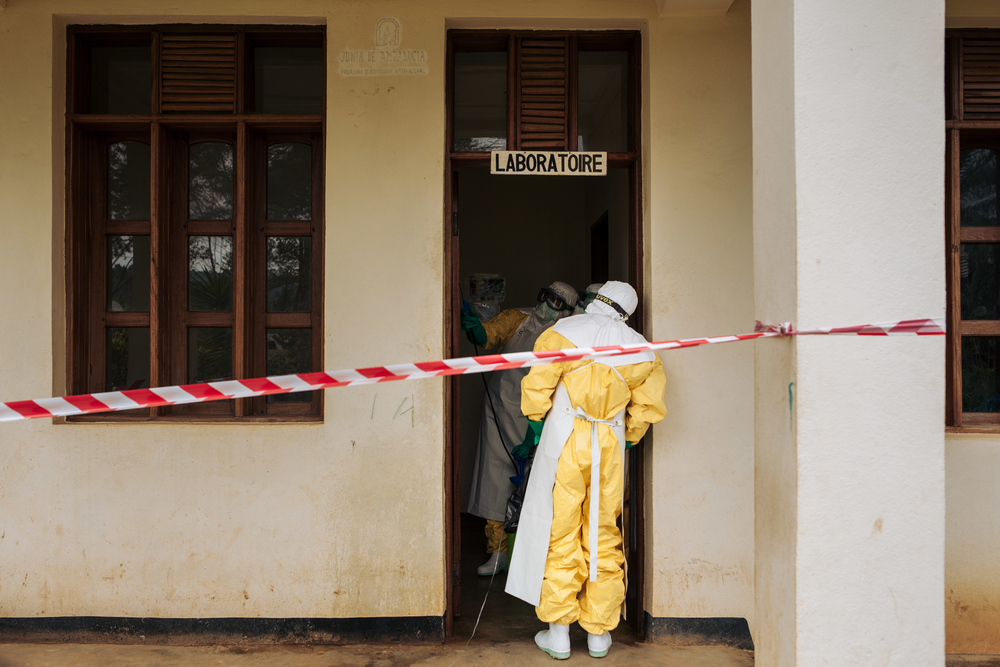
(210, 354)
(289, 274)
(978, 176)
(289, 182)
(210, 181)
(128, 273)
(128, 181)
(289, 351)
(210, 273)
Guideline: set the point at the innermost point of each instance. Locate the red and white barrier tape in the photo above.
(131, 399)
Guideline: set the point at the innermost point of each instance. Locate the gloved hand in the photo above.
(473, 328)
(531, 438)
(630, 445)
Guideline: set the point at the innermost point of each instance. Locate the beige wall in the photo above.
(699, 265)
(972, 582)
(186, 521)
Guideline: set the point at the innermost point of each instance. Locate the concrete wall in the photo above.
(184, 520)
(266, 520)
(699, 266)
(848, 181)
(972, 547)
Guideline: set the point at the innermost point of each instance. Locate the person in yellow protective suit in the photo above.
(569, 560)
(502, 424)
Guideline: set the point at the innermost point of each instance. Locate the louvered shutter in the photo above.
(198, 73)
(543, 93)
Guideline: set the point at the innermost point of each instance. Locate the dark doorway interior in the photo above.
(600, 250)
(533, 230)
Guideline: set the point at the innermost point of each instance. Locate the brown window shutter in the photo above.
(198, 73)
(543, 93)
(980, 77)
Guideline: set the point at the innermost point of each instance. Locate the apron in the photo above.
(491, 485)
(527, 566)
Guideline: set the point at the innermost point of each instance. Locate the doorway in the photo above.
(534, 230)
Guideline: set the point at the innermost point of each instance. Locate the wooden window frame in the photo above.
(168, 227)
(965, 130)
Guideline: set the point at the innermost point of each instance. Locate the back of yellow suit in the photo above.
(602, 392)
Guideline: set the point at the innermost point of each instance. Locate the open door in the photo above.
(535, 231)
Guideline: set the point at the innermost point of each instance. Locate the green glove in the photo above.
(473, 329)
(531, 438)
(536, 429)
(630, 445)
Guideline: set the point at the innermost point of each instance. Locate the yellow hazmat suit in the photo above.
(602, 392)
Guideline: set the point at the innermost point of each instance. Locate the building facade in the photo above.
(306, 183)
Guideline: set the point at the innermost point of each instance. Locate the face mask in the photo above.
(546, 313)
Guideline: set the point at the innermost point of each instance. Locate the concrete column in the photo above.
(848, 229)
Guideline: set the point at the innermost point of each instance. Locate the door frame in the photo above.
(505, 40)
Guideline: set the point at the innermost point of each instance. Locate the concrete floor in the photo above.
(452, 654)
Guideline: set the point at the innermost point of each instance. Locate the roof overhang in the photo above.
(694, 7)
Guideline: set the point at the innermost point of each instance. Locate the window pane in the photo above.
(980, 380)
(128, 273)
(210, 273)
(603, 120)
(289, 274)
(480, 109)
(288, 79)
(210, 181)
(978, 177)
(121, 79)
(289, 351)
(128, 181)
(980, 264)
(210, 354)
(128, 358)
(289, 182)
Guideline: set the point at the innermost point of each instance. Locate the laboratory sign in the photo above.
(536, 163)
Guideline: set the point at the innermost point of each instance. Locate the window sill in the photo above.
(993, 429)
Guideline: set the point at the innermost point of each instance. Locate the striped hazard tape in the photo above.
(130, 399)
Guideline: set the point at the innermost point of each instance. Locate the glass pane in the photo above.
(978, 177)
(288, 79)
(210, 273)
(121, 79)
(603, 120)
(480, 101)
(289, 182)
(210, 181)
(128, 358)
(289, 274)
(980, 266)
(128, 273)
(980, 380)
(210, 355)
(289, 351)
(128, 181)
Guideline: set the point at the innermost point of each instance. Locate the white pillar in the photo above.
(848, 109)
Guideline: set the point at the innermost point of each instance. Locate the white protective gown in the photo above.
(491, 485)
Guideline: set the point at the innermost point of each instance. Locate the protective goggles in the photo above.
(553, 299)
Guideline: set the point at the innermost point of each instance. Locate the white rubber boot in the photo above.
(496, 563)
(598, 645)
(554, 641)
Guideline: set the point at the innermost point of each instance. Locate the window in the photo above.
(973, 229)
(195, 210)
(550, 91)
